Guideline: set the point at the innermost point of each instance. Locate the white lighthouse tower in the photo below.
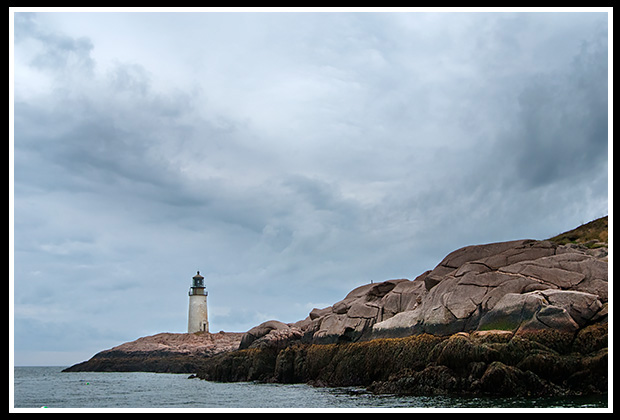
(198, 319)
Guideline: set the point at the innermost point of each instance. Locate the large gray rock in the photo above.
(536, 284)
(581, 306)
(350, 318)
(260, 331)
(526, 312)
(406, 296)
(489, 257)
(510, 286)
(567, 270)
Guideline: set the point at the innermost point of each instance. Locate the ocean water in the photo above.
(36, 387)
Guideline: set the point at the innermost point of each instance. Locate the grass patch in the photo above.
(592, 234)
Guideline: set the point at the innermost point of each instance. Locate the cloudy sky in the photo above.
(290, 157)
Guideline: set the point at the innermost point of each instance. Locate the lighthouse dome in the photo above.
(198, 281)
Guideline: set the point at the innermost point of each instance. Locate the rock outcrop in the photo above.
(164, 353)
(512, 286)
(513, 318)
(270, 333)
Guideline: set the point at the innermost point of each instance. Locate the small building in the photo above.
(198, 319)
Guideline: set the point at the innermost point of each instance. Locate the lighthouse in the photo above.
(198, 319)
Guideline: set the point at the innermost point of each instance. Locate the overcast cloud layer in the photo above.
(290, 157)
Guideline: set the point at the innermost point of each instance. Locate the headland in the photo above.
(523, 317)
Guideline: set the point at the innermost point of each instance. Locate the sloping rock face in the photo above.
(515, 286)
(345, 321)
(164, 353)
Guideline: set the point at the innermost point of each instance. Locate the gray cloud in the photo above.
(289, 157)
(562, 123)
(58, 52)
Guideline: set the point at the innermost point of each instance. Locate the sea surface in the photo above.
(36, 387)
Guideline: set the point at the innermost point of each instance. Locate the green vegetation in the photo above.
(592, 234)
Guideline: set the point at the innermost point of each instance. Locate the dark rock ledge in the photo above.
(480, 363)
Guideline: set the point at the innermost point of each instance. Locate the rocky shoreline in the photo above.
(513, 318)
(496, 363)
